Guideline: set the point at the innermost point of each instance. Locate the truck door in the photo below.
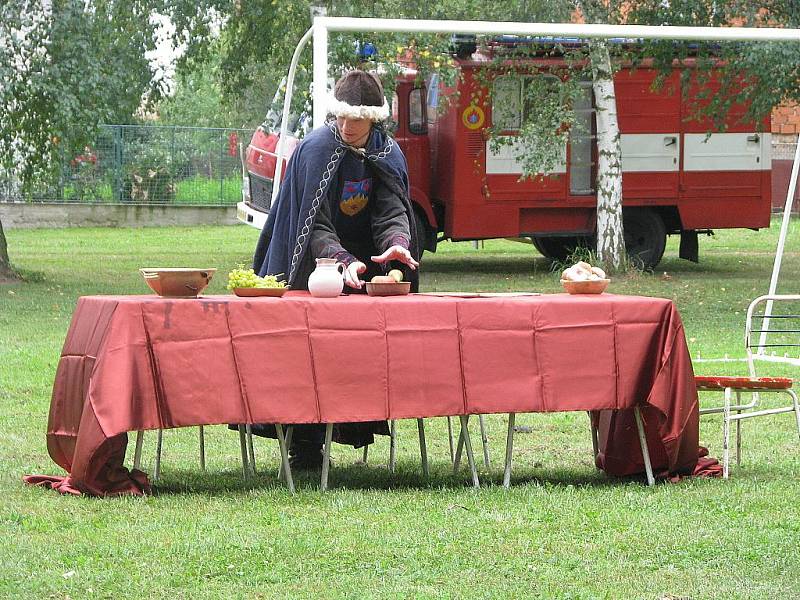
(503, 167)
(725, 180)
(649, 123)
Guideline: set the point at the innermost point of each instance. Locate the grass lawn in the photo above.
(564, 530)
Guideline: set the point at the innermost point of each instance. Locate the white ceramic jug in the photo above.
(326, 281)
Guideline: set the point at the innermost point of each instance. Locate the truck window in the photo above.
(432, 89)
(417, 119)
(507, 104)
(512, 99)
(581, 142)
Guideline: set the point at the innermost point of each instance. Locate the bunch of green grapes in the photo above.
(246, 278)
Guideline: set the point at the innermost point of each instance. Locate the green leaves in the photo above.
(66, 69)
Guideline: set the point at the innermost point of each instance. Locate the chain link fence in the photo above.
(202, 166)
(149, 164)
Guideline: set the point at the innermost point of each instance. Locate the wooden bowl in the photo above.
(253, 292)
(388, 289)
(591, 286)
(177, 282)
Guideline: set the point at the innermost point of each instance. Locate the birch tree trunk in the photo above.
(610, 235)
(6, 272)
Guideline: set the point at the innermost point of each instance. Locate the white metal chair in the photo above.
(648, 469)
(455, 458)
(245, 439)
(423, 449)
(772, 335)
(455, 453)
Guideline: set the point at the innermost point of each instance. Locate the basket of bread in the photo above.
(583, 278)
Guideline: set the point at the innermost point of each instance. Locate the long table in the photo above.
(133, 363)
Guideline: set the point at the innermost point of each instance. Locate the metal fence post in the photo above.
(172, 163)
(221, 134)
(117, 151)
(63, 160)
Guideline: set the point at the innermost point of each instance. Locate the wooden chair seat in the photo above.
(770, 337)
(742, 383)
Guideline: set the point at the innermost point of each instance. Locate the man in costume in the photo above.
(345, 196)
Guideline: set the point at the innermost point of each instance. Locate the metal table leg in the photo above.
(509, 451)
(643, 443)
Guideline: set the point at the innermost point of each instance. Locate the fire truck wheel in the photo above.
(645, 236)
(559, 247)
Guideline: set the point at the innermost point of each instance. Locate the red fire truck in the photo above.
(677, 179)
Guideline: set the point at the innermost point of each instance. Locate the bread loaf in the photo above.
(383, 279)
(583, 271)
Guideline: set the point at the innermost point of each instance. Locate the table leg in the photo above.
(392, 445)
(137, 453)
(509, 450)
(326, 456)
(643, 443)
(288, 440)
(423, 450)
(450, 440)
(366, 453)
(243, 447)
(284, 457)
(202, 449)
(157, 468)
(595, 444)
(250, 450)
(485, 441)
(459, 447)
(468, 445)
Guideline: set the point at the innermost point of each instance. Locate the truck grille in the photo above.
(260, 192)
(474, 144)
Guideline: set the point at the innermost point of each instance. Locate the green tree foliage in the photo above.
(197, 100)
(258, 37)
(65, 67)
(65, 70)
(757, 75)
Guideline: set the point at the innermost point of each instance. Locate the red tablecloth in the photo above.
(144, 362)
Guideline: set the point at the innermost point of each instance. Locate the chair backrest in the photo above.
(772, 331)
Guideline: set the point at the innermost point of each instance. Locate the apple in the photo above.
(396, 275)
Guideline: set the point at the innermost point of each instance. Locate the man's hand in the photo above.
(352, 272)
(397, 253)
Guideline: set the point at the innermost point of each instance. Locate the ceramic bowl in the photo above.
(275, 292)
(388, 289)
(177, 282)
(592, 286)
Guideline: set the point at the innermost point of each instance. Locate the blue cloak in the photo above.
(282, 248)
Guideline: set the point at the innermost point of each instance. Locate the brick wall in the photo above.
(786, 119)
(785, 127)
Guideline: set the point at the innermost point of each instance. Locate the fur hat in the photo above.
(359, 95)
